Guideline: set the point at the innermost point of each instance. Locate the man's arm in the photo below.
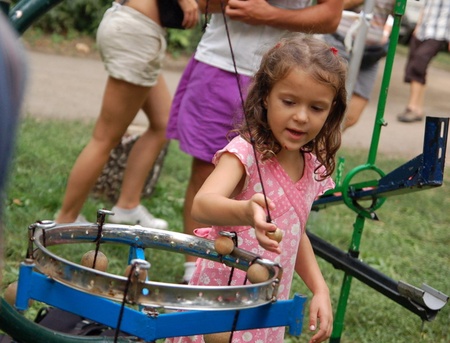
(323, 17)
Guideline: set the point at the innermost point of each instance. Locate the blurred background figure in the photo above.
(432, 33)
(375, 49)
(12, 86)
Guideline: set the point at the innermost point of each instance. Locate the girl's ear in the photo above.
(264, 103)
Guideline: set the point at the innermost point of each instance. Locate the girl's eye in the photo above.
(316, 108)
(288, 102)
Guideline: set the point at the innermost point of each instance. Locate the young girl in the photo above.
(293, 114)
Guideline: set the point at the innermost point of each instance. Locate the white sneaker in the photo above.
(137, 216)
(81, 219)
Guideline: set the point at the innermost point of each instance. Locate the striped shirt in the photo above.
(435, 21)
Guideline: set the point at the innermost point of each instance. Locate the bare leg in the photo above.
(121, 102)
(416, 97)
(147, 148)
(355, 108)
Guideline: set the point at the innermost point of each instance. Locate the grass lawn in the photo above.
(410, 241)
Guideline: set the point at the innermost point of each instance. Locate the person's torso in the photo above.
(435, 22)
(249, 42)
(149, 8)
(293, 201)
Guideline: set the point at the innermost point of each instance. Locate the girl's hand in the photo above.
(258, 211)
(190, 11)
(320, 316)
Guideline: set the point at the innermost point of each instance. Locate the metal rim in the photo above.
(149, 293)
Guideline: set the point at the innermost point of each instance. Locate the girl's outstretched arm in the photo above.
(213, 204)
(320, 312)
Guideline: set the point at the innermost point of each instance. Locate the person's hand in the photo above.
(320, 317)
(190, 13)
(253, 12)
(257, 208)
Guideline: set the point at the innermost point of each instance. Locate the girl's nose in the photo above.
(301, 115)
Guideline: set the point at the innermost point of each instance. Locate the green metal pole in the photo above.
(399, 10)
(339, 171)
(4, 6)
(338, 325)
(358, 226)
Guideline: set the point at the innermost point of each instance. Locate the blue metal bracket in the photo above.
(422, 172)
(37, 286)
(26, 12)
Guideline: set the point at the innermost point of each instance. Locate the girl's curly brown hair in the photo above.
(324, 65)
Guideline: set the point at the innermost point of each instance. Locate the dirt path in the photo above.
(72, 87)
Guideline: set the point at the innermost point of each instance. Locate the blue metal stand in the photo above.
(34, 285)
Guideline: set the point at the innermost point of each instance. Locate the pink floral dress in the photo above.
(293, 203)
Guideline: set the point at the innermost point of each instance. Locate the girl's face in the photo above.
(297, 108)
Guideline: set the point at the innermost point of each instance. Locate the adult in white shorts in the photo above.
(132, 45)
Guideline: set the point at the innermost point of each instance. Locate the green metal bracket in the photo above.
(27, 11)
(25, 331)
(362, 213)
(4, 6)
(399, 11)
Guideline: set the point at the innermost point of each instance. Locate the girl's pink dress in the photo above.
(293, 203)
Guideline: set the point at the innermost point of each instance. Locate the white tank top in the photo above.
(249, 42)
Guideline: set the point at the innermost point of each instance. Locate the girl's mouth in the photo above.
(295, 133)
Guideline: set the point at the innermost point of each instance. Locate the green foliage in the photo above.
(183, 41)
(409, 243)
(81, 17)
